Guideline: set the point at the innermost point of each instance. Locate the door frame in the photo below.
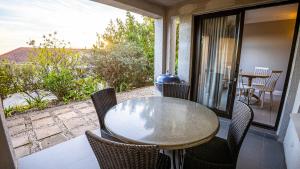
(242, 10)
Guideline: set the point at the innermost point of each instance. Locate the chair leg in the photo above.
(241, 93)
(271, 100)
(263, 99)
(250, 94)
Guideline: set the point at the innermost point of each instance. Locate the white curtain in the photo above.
(218, 54)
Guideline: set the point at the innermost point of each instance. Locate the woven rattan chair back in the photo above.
(177, 90)
(103, 100)
(261, 71)
(114, 155)
(272, 80)
(238, 128)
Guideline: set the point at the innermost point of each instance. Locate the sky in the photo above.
(75, 21)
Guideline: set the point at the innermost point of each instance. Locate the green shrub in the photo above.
(23, 108)
(83, 88)
(123, 66)
(59, 83)
(6, 80)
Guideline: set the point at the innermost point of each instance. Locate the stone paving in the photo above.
(34, 131)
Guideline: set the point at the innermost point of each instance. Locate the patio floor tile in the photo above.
(74, 122)
(87, 110)
(36, 116)
(22, 151)
(92, 117)
(81, 130)
(43, 122)
(17, 129)
(19, 141)
(47, 131)
(67, 116)
(53, 140)
(15, 122)
(80, 106)
(64, 110)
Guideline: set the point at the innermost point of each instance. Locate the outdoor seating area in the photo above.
(131, 135)
(152, 84)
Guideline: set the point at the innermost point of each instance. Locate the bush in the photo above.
(59, 83)
(27, 80)
(123, 66)
(83, 88)
(66, 87)
(6, 80)
(23, 108)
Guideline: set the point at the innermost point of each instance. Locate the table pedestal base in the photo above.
(177, 158)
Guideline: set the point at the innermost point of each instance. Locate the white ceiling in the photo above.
(271, 14)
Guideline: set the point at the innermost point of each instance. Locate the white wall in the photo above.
(296, 107)
(268, 44)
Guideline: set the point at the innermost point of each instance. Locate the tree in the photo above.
(59, 66)
(123, 65)
(26, 79)
(140, 33)
(6, 80)
(53, 54)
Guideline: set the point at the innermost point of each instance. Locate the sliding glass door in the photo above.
(218, 40)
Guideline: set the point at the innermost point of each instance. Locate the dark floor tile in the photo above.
(273, 154)
(251, 152)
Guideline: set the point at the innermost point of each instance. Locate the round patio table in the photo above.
(170, 123)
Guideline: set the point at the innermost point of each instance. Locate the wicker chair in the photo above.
(177, 90)
(222, 153)
(260, 71)
(104, 100)
(245, 90)
(115, 155)
(268, 86)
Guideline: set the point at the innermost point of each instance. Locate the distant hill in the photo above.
(18, 55)
(21, 54)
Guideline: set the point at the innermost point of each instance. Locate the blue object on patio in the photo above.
(166, 78)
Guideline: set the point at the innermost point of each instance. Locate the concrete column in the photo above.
(7, 160)
(171, 45)
(160, 45)
(291, 93)
(185, 47)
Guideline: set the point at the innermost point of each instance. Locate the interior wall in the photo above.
(268, 44)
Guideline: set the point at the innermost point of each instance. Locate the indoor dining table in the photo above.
(171, 123)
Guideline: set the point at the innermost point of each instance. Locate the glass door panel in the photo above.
(218, 55)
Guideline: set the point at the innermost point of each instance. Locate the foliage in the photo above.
(16, 109)
(59, 83)
(22, 108)
(83, 88)
(123, 65)
(61, 68)
(54, 54)
(6, 80)
(131, 31)
(26, 79)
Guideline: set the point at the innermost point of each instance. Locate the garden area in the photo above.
(55, 74)
(56, 82)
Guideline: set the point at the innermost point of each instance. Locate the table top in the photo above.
(168, 122)
(253, 75)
